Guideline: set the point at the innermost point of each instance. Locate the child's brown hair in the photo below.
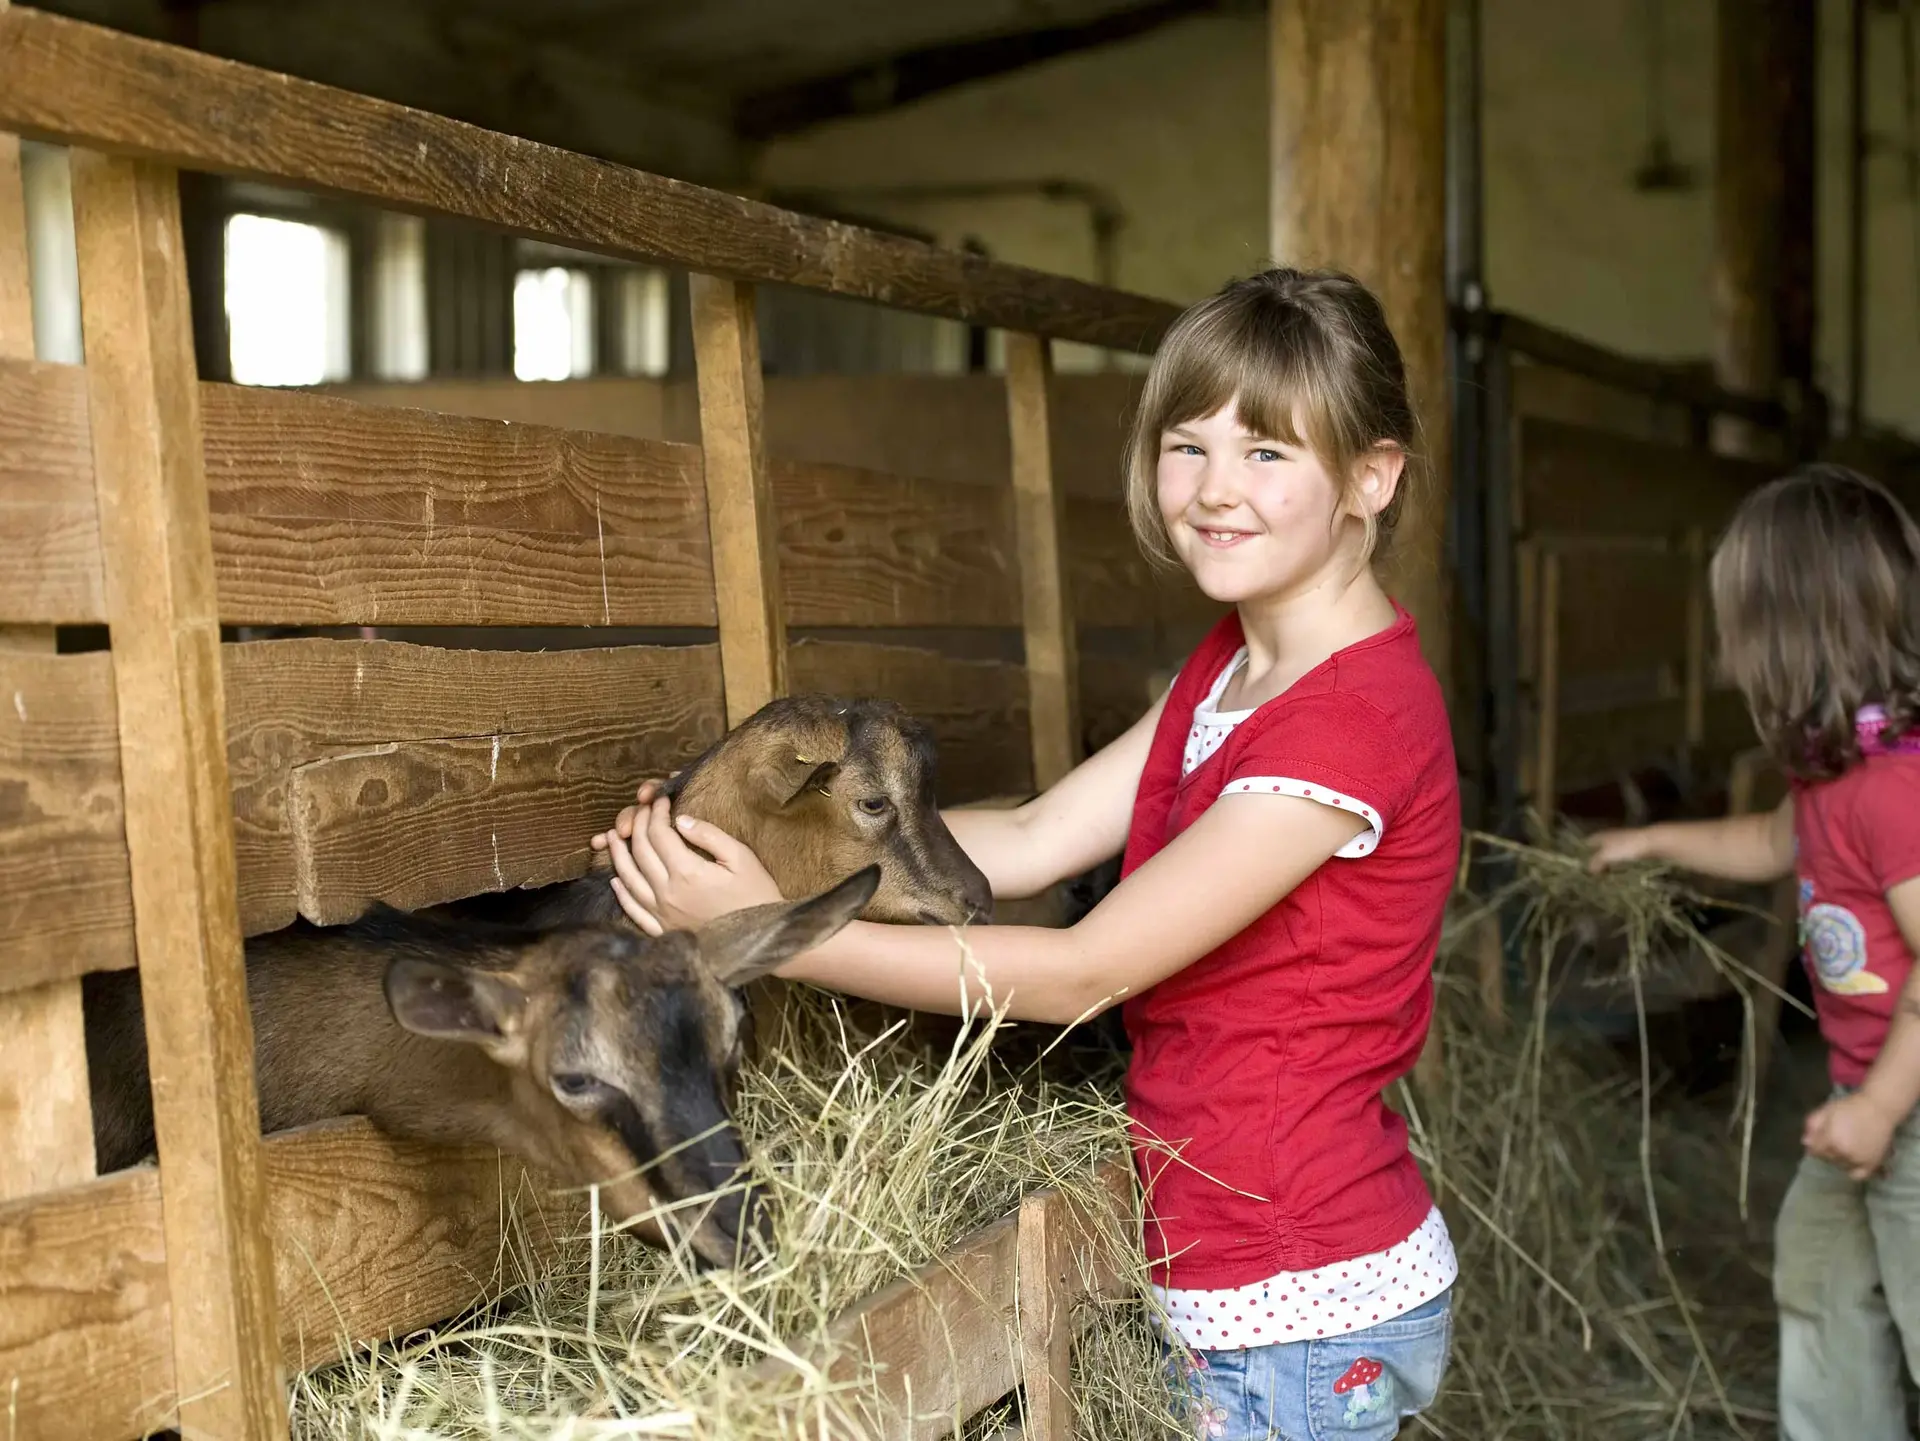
(1311, 360)
(1816, 597)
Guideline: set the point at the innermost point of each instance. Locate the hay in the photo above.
(1567, 1190)
(880, 1157)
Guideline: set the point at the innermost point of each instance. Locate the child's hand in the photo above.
(663, 885)
(623, 823)
(1853, 1132)
(1614, 848)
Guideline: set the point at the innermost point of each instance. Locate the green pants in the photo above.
(1847, 1281)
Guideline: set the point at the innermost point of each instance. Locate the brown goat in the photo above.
(817, 787)
(596, 1053)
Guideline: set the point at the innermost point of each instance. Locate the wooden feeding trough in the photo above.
(172, 794)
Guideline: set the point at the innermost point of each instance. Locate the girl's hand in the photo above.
(623, 823)
(663, 885)
(1618, 847)
(1853, 1132)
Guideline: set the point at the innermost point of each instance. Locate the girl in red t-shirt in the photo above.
(1816, 591)
(1289, 815)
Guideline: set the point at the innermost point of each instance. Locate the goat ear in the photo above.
(787, 777)
(744, 945)
(453, 1003)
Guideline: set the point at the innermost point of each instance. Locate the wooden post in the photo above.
(1546, 779)
(1763, 257)
(1045, 1292)
(157, 550)
(1052, 646)
(740, 518)
(46, 1121)
(1359, 184)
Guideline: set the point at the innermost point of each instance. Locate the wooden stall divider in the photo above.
(1051, 644)
(740, 518)
(1694, 549)
(156, 542)
(1546, 778)
(46, 1121)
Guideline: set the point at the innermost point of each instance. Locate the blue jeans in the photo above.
(1355, 1386)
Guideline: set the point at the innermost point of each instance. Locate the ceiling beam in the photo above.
(880, 85)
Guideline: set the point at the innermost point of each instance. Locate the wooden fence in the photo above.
(166, 797)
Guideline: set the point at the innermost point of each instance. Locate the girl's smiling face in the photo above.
(1254, 518)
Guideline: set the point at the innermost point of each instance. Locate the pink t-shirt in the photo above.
(1855, 838)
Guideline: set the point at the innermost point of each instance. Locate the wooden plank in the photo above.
(977, 710)
(327, 512)
(860, 547)
(1576, 479)
(740, 514)
(16, 292)
(156, 545)
(49, 520)
(415, 775)
(331, 513)
(63, 842)
(372, 1238)
(46, 1115)
(941, 1344)
(1052, 669)
(77, 83)
(46, 1120)
(1045, 1290)
(576, 728)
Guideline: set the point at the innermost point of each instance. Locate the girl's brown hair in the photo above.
(1816, 597)
(1311, 360)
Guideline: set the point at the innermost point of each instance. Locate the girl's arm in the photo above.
(1080, 822)
(1241, 857)
(1856, 1131)
(1756, 847)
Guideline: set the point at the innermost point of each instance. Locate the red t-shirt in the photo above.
(1263, 1062)
(1855, 838)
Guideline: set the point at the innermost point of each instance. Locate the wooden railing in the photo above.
(168, 796)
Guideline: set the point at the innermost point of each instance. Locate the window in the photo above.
(398, 313)
(287, 302)
(552, 324)
(645, 321)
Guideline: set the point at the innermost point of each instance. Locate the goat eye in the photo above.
(575, 1085)
(875, 805)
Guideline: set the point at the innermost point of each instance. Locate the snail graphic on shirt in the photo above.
(1366, 1387)
(1836, 947)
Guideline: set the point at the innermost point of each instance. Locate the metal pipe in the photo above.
(1857, 222)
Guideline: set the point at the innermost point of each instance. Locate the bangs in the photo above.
(1269, 364)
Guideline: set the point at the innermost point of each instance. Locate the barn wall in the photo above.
(1175, 125)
